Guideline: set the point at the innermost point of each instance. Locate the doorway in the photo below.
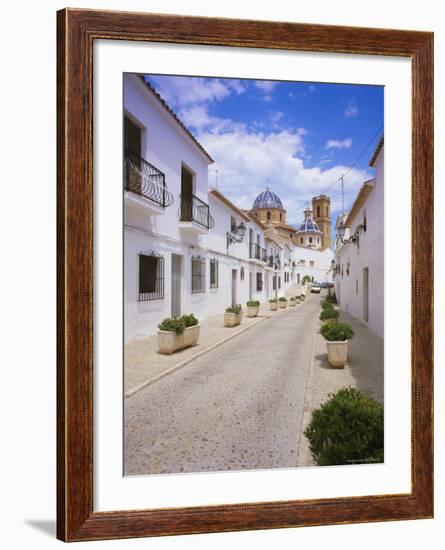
(366, 294)
(234, 278)
(176, 284)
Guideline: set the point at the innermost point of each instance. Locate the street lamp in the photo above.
(353, 239)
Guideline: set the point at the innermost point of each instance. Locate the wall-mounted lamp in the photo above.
(237, 234)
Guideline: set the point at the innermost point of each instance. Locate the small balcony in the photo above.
(194, 215)
(258, 253)
(144, 185)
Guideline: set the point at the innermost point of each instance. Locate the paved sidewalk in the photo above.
(144, 365)
(363, 371)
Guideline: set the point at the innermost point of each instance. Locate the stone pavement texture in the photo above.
(240, 406)
(143, 364)
(363, 371)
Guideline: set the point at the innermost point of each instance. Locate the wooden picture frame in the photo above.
(77, 31)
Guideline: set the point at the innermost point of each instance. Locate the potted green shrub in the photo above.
(253, 306)
(329, 313)
(347, 429)
(178, 333)
(283, 302)
(273, 304)
(337, 336)
(292, 301)
(233, 316)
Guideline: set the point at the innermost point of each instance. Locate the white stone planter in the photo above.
(292, 303)
(337, 353)
(169, 342)
(273, 306)
(252, 311)
(232, 319)
(283, 305)
(297, 300)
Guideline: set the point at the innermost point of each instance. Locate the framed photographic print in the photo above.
(245, 214)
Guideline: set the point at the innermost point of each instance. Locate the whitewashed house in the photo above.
(359, 273)
(166, 213)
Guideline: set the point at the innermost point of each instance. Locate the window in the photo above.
(318, 240)
(364, 221)
(242, 273)
(198, 274)
(151, 276)
(318, 211)
(279, 282)
(274, 282)
(213, 273)
(312, 264)
(327, 211)
(259, 282)
(310, 240)
(302, 263)
(268, 215)
(356, 286)
(281, 217)
(301, 240)
(232, 224)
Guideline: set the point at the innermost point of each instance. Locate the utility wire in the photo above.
(357, 160)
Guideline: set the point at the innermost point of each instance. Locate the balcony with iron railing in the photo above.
(257, 252)
(194, 214)
(147, 182)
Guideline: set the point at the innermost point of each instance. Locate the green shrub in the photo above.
(253, 303)
(176, 325)
(236, 309)
(347, 429)
(306, 279)
(327, 303)
(190, 320)
(282, 299)
(329, 313)
(336, 332)
(330, 299)
(273, 301)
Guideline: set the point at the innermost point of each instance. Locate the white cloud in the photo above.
(338, 144)
(351, 109)
(265, 85)
(180, 91)
(248, 161)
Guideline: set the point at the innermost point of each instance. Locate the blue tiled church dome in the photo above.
(267, 199)
(309, 225)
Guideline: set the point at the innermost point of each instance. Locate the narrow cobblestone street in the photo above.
(239, 406)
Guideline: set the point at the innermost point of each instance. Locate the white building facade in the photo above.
(359, 273)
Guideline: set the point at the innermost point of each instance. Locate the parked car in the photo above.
(315, 289)
(324, 284)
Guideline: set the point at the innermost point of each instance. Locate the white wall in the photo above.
(370, 254)
(321, 269)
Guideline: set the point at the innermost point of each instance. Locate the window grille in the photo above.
(279, 282)
(198, 274)
(213, 273)
(259, 282)
(151, 276)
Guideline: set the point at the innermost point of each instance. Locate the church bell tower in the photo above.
(321, 208)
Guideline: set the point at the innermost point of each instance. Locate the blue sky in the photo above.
(297, 138)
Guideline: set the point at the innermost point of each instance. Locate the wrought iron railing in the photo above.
(193, 209)
(144, 179)
(274, 261)
(258, 252)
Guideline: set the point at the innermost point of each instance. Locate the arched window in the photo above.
(268, 215)
(281, 217)
(318, 211)
(327, 211)
(310, 240)
(301, 240)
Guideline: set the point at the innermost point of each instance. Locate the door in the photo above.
(186, 195)
(365, 294)
(176, 284)
(132, 140)
(250, 285)
(234, 277)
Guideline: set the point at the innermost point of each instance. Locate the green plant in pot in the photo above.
(347, 429)
(273, 304)
(175, 333)
(337, 336)
(283, 302)
(329, 313)
(233, 316)
(253, 306)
